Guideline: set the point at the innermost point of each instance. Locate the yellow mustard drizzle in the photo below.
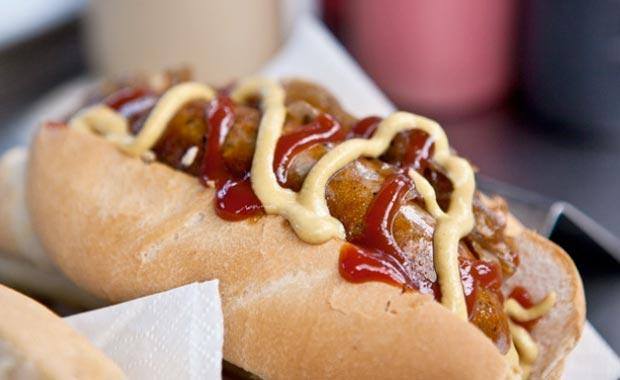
(307, 210)
(521, 314)
(311, 224)
(517, 371)
(164, 111)
(104, 120)
(522, 340)
(101, 119)
(525, 345)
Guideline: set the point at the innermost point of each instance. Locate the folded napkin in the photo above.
(177, 334)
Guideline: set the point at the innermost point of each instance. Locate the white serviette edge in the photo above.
(177, 334)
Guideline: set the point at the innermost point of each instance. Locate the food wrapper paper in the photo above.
(177, 334)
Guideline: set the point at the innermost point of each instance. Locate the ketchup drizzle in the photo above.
(234, 199)
(420, 149)
(324, 128)
(374, 254)
(134, 103)
(125, 95)
(365, 127)
(55, 125)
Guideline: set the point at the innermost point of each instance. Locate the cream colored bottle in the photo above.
(219, 39)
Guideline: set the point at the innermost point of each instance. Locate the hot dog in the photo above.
(345, 247)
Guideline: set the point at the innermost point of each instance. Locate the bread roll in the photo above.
(122, 228)
(36, 344)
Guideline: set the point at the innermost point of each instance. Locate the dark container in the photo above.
(571, 62)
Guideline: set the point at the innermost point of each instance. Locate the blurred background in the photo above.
(528, 90)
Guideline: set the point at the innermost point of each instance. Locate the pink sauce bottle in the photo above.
(446, 58)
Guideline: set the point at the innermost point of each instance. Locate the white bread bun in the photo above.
(121, 229)
(23, 263)
(37, 344)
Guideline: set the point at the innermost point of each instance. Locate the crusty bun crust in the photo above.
(36, 344)
(122, 229)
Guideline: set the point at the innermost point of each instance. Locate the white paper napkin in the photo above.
(312, 52)
(177, 334)
(592, 358)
